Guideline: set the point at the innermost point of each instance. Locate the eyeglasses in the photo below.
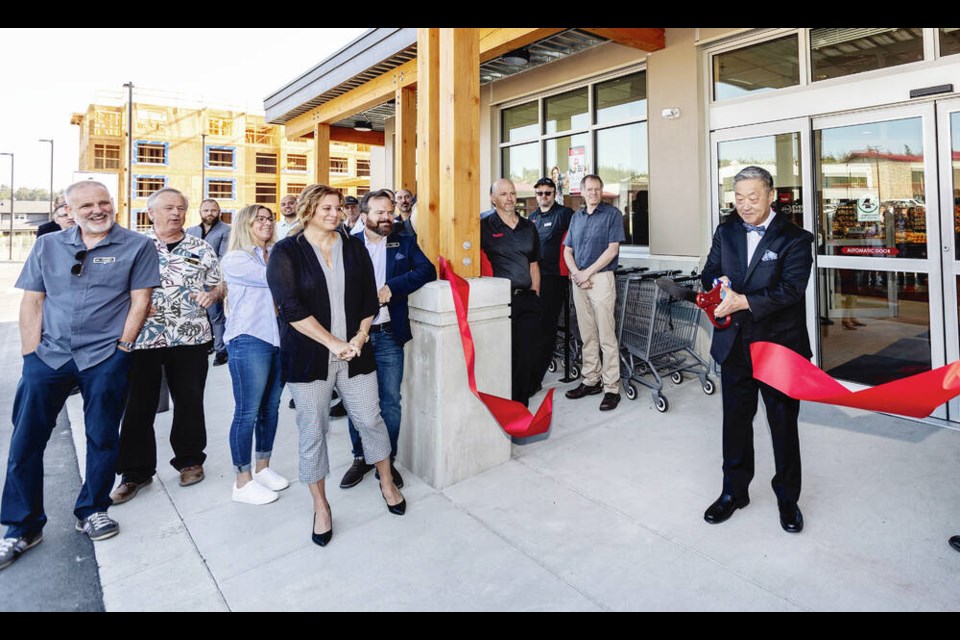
(263, 220)
(80, 256)
(544, 193)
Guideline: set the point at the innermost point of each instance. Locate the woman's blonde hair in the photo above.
(308, 202)
(241, 230)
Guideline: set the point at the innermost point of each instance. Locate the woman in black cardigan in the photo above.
(324, 287)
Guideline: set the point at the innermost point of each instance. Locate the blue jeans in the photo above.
(255, 371)
(389, 356)
(41, 394)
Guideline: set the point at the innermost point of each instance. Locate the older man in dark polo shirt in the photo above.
(591, 251)
(86, 294)
(552, 220)
(512, 245)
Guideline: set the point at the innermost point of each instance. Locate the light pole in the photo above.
(51, 173)
(129, 87)
(203, 166)
(12, 198)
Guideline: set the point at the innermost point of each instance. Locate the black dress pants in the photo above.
(524, 343)
(553, 289)
(186, 368)
(740, 391)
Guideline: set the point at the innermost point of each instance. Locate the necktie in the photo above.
(760, 229)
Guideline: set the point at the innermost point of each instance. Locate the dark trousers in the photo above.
(525, 312)
(553, 289)
(40, 396)
(739, 408)
(186, 369)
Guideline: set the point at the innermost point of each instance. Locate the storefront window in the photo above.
(949, 41)
(520, 123)
(622, 165)
(774, 64)
(521, 164)
(566, 111)
(561, 155)
(841, 51)
(874, 325)
(955, 172)
(780, 155)
(870, 183)
(621, 99)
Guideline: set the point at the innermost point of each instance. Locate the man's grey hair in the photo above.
(494, 184)
(370, 195)
(83, 183)
(152, 200)
(755, 173)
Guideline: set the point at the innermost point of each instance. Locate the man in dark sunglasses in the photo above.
(86, 294)
(552, 220)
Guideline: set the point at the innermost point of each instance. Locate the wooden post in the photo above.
(459, 142)
(428, 142)
(321, 165)
(405, 140)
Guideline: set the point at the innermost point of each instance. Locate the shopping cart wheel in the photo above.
(661, 404)
(708, 387)
(552, 366)
(630, 391)
(574, 371)
(676, 377)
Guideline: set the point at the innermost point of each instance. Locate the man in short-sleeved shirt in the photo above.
(591, 251)
(512, 246)
(86, 292)
(175, 337)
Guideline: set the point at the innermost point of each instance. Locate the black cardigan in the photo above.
(299, 290)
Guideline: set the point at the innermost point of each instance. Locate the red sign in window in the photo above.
(869, 251)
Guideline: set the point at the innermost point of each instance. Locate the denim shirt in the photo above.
(249, 305)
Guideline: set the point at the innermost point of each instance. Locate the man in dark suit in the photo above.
(216, 233)
(764, 262)
(400, 268)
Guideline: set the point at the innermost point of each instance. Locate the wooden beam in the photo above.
(405, 140)
(496, 42)
(460, 149)
(370, 94)
(321, 163)
(428, 142)
(346, 134)
(648, 39)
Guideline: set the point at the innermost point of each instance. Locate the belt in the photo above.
(520, 292)
(377, 328)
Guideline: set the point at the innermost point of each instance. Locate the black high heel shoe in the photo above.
(321, 538)
(397, 509)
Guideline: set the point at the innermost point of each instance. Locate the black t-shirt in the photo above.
(551, 226)
(510, 251)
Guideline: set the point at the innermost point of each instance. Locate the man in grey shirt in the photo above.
(86, 294)
(217, 234)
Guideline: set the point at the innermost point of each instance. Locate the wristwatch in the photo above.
(125, 346)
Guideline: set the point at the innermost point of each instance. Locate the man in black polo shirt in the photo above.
(552, 220)
(512, 245)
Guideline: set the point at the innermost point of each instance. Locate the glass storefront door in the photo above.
(948, 133)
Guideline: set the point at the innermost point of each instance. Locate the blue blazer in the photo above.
(408, 269)
(774, 281)
(218, 237)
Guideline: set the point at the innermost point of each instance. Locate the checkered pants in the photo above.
(362, 402)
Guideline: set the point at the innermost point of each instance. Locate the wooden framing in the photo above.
(648, 39)
(405, 140)
(321, 136)
(428, 142)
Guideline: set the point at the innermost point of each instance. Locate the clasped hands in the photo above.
(347, 351)
(581, 280)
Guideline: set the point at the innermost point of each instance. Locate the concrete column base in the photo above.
(447, 434)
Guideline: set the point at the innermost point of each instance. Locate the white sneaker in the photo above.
(271, 479)
(253, 493)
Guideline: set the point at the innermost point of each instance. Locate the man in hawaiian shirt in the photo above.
(175, 336)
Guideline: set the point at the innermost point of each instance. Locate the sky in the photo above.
(57, 72)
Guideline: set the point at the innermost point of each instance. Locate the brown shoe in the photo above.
(610, 401)
(584, 390)
(191, 475)
(126, 491)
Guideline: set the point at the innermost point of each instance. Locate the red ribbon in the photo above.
(514, 418)
(916, 396)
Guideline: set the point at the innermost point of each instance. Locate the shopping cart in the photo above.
(656, 334)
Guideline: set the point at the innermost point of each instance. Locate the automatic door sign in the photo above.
(868, 209)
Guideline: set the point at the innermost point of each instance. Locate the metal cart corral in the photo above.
(657, 334)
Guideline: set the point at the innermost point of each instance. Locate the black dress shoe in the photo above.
(584, 390)
(396, 509)
(321, 539)
(955, 542)
(397, 478)
(355, 473)
(723, 508)
(220, 359)
(790, 518)
(610, 401)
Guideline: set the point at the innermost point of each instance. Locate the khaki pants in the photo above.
(598, 330)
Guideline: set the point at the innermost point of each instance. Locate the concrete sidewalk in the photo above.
(603, 515)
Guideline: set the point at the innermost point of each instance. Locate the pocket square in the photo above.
(768, 255)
